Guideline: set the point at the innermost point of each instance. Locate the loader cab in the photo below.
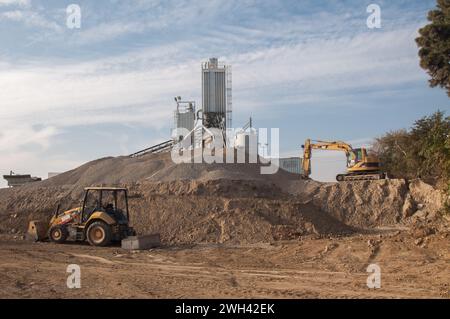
(112, 201)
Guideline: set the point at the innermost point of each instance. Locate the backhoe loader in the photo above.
(102, 218)
(360, 165)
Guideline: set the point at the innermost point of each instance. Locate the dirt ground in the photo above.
(305, 268)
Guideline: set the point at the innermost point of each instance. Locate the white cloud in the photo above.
(371, 56)
(107, 31)
(15, 15)
(22, 3)
(126, 88)
(15, 137)
(31, 19)
(141, 16)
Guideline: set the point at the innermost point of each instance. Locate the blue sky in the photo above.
(311, 68)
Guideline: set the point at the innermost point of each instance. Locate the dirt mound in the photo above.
(108, 171)
(155, 167)
(211, 212)
(365, 203)
(368, 204)
(225, 202)
(190, 211)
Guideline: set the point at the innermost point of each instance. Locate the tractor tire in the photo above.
(58, 234)
(99, 234)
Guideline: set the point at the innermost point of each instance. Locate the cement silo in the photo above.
(216, 95)
(184, 118)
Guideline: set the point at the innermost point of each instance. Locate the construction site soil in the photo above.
(246, 220)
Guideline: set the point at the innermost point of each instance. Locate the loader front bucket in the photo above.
(37, 230)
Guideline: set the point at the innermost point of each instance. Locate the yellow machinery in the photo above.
(102, 218)
(360, 165)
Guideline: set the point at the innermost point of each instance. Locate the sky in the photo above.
(311, 68)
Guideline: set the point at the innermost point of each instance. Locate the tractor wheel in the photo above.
(99, 234)
(58, 234)
(340, 178)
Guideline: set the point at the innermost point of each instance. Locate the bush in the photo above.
(420, 152)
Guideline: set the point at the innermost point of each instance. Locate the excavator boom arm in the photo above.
(322, 145)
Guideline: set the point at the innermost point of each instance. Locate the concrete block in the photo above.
(141, 242)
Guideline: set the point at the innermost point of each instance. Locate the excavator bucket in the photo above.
(37, 230)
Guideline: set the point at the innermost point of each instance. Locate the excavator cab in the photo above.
(355, 156)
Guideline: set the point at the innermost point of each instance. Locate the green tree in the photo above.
(434, 46)
(396, 156)
(423, 151)
(432, 137)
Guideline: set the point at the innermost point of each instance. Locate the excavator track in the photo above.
(360, 177)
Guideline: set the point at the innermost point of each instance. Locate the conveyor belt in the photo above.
(158, 148)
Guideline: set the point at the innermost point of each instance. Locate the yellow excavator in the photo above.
(360, 164)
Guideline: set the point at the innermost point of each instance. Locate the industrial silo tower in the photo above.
(216, 95)
(184, 119)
